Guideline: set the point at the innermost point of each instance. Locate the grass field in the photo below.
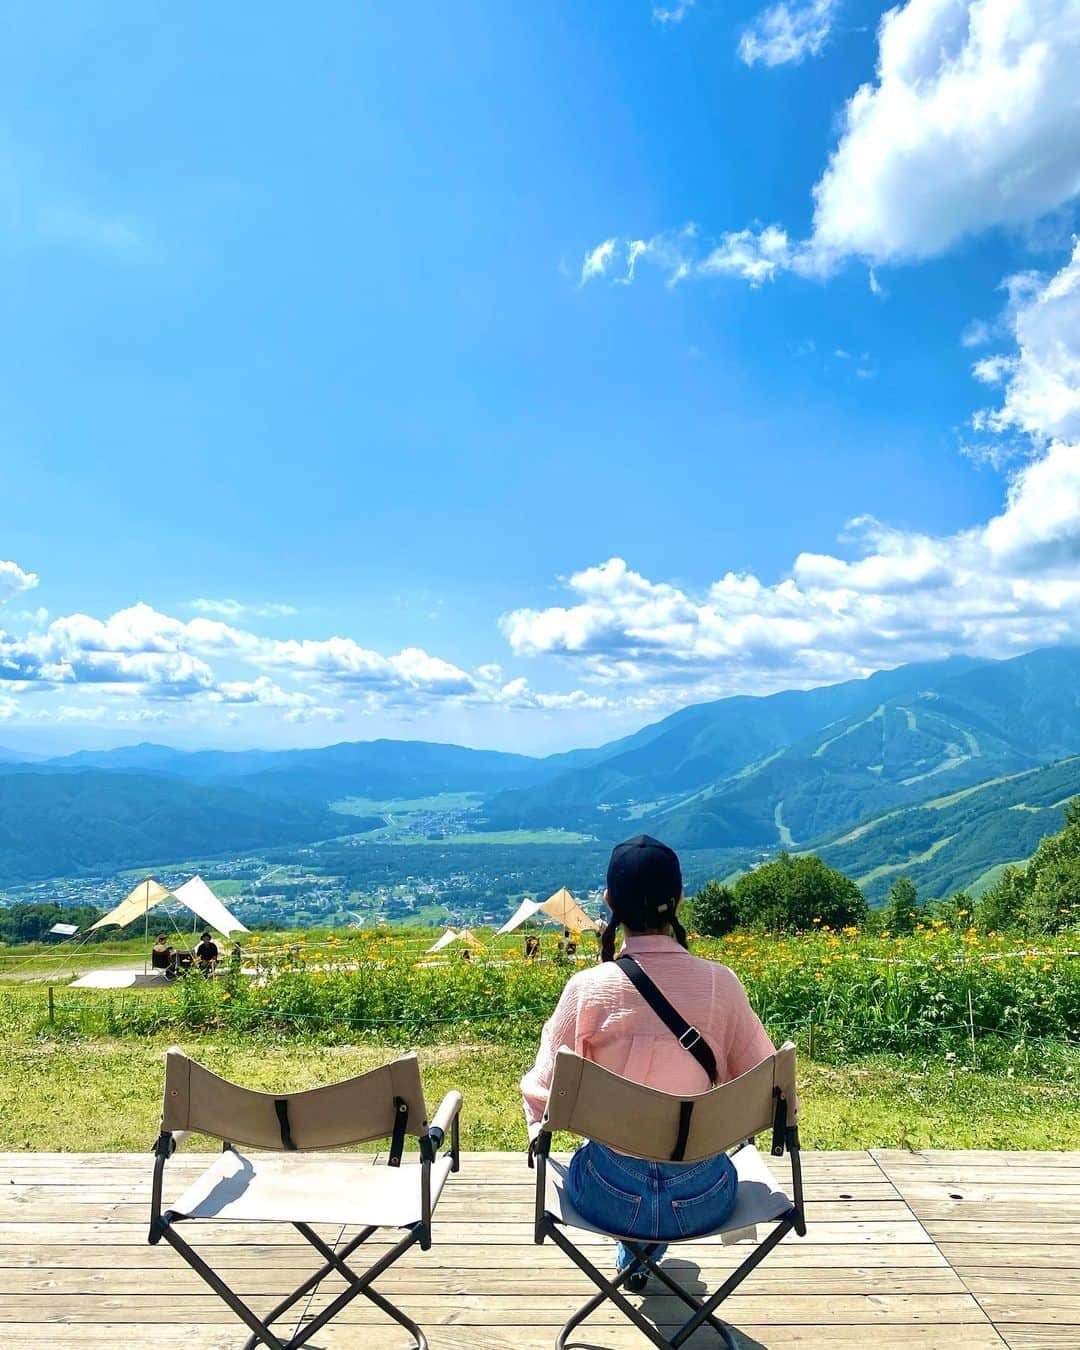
(102, 1095)
(942, 1039)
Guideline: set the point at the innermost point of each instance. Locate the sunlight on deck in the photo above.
(958, 1250)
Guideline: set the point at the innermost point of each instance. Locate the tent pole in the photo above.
(146, 924)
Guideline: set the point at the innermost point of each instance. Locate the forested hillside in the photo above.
(72, 824)
(955, 842)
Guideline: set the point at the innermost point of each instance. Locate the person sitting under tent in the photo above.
(169, 959)
(163, 957)
(532, 947)
(570, 940)
(206, 953)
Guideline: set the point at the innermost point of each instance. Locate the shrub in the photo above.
(714, 911)
(795, 894)
(901, 912)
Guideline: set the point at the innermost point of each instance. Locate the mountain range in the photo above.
(858, 770)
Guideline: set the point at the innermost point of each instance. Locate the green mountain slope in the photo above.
(699, 749)
(943, 727)
(76, 823)
(950, 842)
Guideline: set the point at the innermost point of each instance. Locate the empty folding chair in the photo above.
(592, 1102)
(295, 1186)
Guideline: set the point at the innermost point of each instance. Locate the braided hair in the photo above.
(611, 931)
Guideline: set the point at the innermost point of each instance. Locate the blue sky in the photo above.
(311, 418)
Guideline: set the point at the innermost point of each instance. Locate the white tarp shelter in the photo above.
(194, 895)
(64, 929)
(466, 936)
(445, 941)
(560, 908)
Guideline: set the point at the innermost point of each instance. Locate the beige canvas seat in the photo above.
(287, 1180)
(590, 1101)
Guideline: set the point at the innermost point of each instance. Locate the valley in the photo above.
(943, 772)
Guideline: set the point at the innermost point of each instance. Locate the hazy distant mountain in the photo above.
(377, 769)
(960, 840)
(8, 756)
(74, 823)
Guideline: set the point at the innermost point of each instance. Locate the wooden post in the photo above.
(52, 1008)
(971, 1023)
(810, 1037)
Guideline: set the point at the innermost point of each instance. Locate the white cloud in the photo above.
(977, 334)
(1042, 378)
(141, 653)
(1009, 586)
(973, 121)
(674, 13)
(786, 33)
(234, 609)
(13, 580)
(598, 260)
(754, 256)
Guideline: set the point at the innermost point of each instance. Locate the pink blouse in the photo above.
(602, 1017)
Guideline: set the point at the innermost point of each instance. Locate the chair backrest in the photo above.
(350, 1112)
(595, 1103)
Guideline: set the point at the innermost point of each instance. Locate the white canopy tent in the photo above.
(194, 895)
(445, 941)
(449, 937)
(560, 908)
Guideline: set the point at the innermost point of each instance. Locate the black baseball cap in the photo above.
(644, 882)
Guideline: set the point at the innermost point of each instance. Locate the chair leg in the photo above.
(706, 1309)
(311, 1282)
(358, 1284)
(608, 1290)
(402, 1318)
(334, 1261)
(721, 1328)
(260, 1331)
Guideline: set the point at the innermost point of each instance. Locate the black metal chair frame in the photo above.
(162, 1225)
(547, 1226)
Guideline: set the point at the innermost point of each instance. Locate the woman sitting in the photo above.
(602, 1017)
(162, 956)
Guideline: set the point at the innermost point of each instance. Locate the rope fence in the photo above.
(809, 1032)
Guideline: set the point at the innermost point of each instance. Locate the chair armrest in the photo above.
(168, 1141)
(447, 1113)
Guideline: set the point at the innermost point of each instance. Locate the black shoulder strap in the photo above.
(688, 1037)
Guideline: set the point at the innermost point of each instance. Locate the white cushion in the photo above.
(759, 1199)
(307, 1188)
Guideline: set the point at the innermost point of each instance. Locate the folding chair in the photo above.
(305, 1189)
(592, 1102)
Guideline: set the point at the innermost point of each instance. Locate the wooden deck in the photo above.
(957, 1250)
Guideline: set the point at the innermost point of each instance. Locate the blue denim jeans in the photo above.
(650, 1200)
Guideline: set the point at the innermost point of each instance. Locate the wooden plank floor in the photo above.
(934, 1251)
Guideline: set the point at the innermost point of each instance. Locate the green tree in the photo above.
(796, 894)
(901, 912)
(957, 911)
(714, 912)
(1044, 896)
